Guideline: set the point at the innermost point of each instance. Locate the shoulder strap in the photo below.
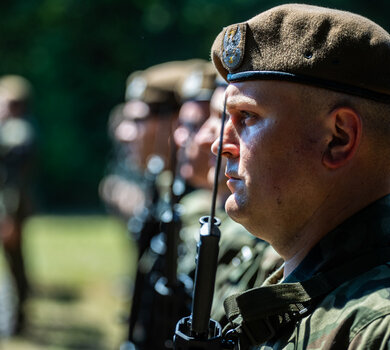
(258, 314)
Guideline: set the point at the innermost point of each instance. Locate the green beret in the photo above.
(312, 45)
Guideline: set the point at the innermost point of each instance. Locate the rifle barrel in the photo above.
(207, 261)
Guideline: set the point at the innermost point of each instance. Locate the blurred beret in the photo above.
(199, 83)
(158, 86)
(15, 88)
(328, 48)
(153, 87)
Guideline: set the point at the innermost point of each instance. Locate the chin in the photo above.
(233, 209)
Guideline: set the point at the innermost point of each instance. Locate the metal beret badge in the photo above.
(233, 45)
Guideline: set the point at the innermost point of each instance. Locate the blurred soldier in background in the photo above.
(153, 102)
(195, 91)
(121, 188)
(17, 146)
(192, 163)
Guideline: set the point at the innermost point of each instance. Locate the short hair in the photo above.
(375, 115)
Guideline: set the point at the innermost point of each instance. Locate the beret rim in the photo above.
(308, 80)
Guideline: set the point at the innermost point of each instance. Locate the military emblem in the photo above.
(233, 46)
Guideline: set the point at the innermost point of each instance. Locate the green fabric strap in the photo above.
(258, 314)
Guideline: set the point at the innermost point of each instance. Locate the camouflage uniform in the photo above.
(247, 267)
(356, 313)
(337, 297)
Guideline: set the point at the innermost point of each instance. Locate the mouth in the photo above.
(232, 182)
(232, 176)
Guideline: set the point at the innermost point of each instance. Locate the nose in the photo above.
(230, 142)
(207, 133)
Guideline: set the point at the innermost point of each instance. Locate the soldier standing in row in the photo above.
(153, 102)
(307, 144)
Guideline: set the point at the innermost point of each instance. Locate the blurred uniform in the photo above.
(17, 149)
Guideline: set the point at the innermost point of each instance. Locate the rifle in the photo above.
(144, 228)
(171, 295)
(198, 331)
(160, 297)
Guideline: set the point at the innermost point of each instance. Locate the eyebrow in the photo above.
(242, 101)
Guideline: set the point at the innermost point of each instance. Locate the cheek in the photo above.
(270, 163)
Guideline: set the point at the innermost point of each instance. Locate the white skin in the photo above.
(210, 130)
(289, 183)
(152, 135)
(193, 159)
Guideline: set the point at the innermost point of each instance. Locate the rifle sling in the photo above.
(258, 314)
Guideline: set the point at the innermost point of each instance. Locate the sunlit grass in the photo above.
(79, 268)
(75, 250)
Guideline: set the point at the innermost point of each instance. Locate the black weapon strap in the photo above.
(258, 314)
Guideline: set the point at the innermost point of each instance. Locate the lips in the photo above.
(232, 175)
(233, 180)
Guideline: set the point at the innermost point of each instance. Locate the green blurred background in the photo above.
(78, 54)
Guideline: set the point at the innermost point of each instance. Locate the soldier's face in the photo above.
(272, 158)
(153, 138)
(210, 131)
(193, 159)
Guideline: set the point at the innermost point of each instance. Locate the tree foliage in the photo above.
(78, 54)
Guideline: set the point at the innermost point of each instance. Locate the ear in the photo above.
(346, 130)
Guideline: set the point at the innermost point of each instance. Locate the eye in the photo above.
(247, 118)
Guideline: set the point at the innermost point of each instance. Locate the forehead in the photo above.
(256, 93)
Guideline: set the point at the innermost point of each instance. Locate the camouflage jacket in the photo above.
(355, 314)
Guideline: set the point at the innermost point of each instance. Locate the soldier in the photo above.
(193, 161)
(153, 102)
(17, 149)
(195, 92)
(307, 144)
(120, 188)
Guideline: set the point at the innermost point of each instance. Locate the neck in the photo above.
(332, 215)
